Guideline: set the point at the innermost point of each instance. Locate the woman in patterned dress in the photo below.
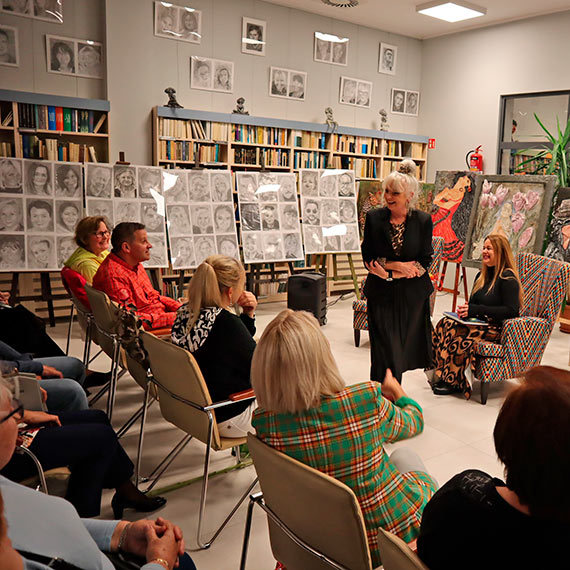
(397, 252)
(307, 412)
(496, 296)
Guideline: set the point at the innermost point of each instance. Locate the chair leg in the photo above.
(87, 346)
(247, 532)
(141, 435)
(357, 337)
(71, 313)
(114, 378)
(484, 392)
(41, 475)
(165, 463)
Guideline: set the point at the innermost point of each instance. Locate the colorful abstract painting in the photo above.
(514, 206)
(452, 205)
(558, 243)
(369, 197)
(425, 196)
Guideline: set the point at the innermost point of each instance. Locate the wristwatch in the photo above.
(390, 275)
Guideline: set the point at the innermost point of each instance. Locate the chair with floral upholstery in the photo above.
(360, 315)
(524, 339)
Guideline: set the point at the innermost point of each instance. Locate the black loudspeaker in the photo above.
(308, 292)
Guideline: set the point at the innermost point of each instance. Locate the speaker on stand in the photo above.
(308, 292)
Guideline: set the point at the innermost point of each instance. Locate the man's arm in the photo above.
(15, 359)
(171, 305)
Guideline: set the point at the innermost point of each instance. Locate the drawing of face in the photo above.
(10, 217)
(40, 176)
(198, 189)
(363, 95)
(204, 248)
(309, 184)
(346, 211)
(290, 218)
(166, 23)
(268, 216)
(40, 250)
(291, 242)
(223, 76)
(40, 218)
(398, 100)
(99, 181)
(221, 188)
(179, 219)
(151, 218)
(4, 45)
(253, 34)
(311, 213)
(228, 247)
(339, 52)
(388, 58)
(184, 249)
(297, 86)
(346, 185)
(126, 179)
(203, 220)
(63, 58)
(88, 57)
(11, 177)
(150, 179)
(349, 91)
(203, 73)
(251, 250)
(70, 181)
(69, 217)
(101, 209)
(11, 253)
(287, 189)
(280, 81)
(189, 22)
(66, 248)
(223, 220)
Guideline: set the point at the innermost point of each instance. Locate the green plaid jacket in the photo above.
(344, 437)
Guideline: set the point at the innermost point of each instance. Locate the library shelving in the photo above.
(236, 142)
(53, 127)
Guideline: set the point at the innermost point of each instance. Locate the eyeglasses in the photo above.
(104, 234)
(17, 411)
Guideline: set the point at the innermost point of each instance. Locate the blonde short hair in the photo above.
(403, 180)
(293, 365)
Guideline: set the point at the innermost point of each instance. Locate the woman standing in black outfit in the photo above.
(221, 342)
(496, 296)
(397, 251)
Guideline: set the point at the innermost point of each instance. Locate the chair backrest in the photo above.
(74, 284)
(437, 245)
(545, 282)
(318, 509)
(396, 554)
(105, 313)
(177, 372)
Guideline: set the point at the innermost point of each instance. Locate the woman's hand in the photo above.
(408, 269)
(391, 388)
(37, 418)
(375, 268)
(248, 303)
(463, 311)
(162, 545)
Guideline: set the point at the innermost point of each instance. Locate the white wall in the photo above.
(463, 76)
(82, 19)
(141, 66)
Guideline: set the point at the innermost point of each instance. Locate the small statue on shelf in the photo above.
(240, 107)
(384, 126)
(172, 102)
(331, 123)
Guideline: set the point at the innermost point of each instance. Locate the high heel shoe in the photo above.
(143, 505)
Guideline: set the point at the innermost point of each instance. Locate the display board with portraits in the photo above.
(40, 205)
(201, 215)
(328, 210)
(127, 193)
(269, 217)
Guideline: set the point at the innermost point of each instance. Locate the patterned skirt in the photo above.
(454, 350)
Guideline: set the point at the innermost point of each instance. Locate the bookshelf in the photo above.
(51, 127)
(238, 142)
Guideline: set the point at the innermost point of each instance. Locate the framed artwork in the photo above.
(9, 46)
(211, 74)
(424, 202)
(287, 83)
(355, 92)
(253, 36)
(181, 23)
(331, 49)
(398, 105)
(48, 10)
(69, 56)
(369, 198)
(450, 209)
(329, 211)
(387, 59)
(412, 103)
(558, 241)
(515, 206)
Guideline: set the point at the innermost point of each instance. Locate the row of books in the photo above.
(309, 139)
(192, 129)
(259, 135)
(8, 120)
(176, 150)
(270, 157)
(212, 153)
(363, 167)
(54, 149)
(361, 145)
(305, 159)
(6, 149)
(48, 117)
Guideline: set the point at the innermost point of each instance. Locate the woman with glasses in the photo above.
(92, 236)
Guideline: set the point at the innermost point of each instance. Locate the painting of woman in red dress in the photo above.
(451, 211)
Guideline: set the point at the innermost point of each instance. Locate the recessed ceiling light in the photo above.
(455, 11)
(341, 3)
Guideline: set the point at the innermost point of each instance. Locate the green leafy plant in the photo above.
(555, 160)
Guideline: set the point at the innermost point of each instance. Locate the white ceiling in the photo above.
(400, 16)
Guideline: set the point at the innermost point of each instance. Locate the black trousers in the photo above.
(87, 444)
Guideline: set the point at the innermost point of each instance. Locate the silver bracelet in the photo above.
(123, 537)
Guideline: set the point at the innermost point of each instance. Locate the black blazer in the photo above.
(417, 246)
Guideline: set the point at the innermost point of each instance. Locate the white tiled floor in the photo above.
(457, 436)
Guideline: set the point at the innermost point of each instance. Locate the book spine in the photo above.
(66, 119)
(90, 121)
(59, 119)
(52, 125)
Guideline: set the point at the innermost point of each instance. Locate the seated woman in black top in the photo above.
(525, 523)
(496, 296)
(221, 342)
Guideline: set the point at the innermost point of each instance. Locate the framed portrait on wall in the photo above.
(412, 103)
(9, 54)
(48, 10)
(355, 92)
(387, 59)
(181, 23)
(329, 48)
(253, 36)
(287, 83)
(61, 55)
(398, 105)
(211, 74)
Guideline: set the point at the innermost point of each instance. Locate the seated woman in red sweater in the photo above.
(221, 342)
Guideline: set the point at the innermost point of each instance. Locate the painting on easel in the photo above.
(369, 197)
(452, 204)
(558, 242)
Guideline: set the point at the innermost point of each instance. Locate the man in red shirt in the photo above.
(124, 279)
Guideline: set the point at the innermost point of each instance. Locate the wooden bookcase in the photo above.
(23, 117)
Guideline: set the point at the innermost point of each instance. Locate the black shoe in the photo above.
(143, 505)
(96, 379)
(443, 389)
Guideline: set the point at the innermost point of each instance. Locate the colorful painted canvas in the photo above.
(514, 206)
(369, 197)
(424, 200)
(452, 204)
(558, 242)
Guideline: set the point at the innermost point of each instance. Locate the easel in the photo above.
(455, 290)
(321, 266)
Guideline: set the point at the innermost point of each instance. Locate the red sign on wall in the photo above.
(431, 143)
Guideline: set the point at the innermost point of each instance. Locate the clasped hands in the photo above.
(463, 311)
(400, 269)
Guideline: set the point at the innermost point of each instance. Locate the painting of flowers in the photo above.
(558, 243)
(514, 206)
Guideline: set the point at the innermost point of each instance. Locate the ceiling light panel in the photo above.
(455, 11)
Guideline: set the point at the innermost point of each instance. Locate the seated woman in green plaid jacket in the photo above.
(307, 412)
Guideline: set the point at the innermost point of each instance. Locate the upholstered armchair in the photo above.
(359, 307)
(524, 339)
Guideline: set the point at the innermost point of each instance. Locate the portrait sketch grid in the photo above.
(211, 74)
(182, 23)
(201, 216)
(51, 11)
(331, 49)
(269, 217)
(328, 209)
(70, 56)
(40, 205)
